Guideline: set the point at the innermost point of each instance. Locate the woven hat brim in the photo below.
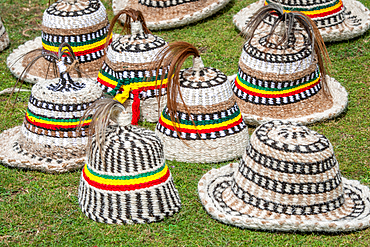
(14, 158)
(335, 33)
(215, 182)
(4, 41)
(340, 102)
(129, 207)
(205, 151)
(190, 17)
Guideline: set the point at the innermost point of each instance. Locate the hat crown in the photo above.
(127, 151)
(292, 169)
(137, 42)
(74, 14)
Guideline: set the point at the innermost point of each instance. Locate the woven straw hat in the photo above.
(287, 80)
(336, 19)
(129, 68)
(82, 23)
(209, 126)
(48, 139)
(170, 14)
(4, 38)
(132, 183)
(287, 180)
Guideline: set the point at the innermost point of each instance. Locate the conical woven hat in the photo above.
(210, 127)
(48, 139)
(4, 37)
(285, 81)
(170, 14)
(82, 23)
(288, 180)
(129, 66)
(131, 183)
(336, 19)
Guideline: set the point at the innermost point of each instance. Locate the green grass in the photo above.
(42, 209)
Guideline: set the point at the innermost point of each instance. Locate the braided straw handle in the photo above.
(120, 116)
(197, 65)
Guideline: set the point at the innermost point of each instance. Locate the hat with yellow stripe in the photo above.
(129, 70)
(83, 24)
(125, 179)
(206, 126)
(336, 19)
(49, 139)
(286, 79)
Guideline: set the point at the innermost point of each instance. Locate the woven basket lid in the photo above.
(130, 66)
(4, 37)
(83, 24)
(131, 183)
(283, 81)
(287, 180)
(219, 133)
(170, 14)
(336, 19)
(48, 139)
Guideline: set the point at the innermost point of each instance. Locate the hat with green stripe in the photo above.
(282, 72)
(49, 139)
(125, 179)
(202, 122)
(81, 23)
(129, 68)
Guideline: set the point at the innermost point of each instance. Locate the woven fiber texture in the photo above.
(287, 180)
(130, 66)
(131, 184)
(283, 81)
(161, 14)
(219, 134)
(4, 37)
(83, 24)
(49, 140)
(336, 19)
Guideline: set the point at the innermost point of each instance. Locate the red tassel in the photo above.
(135, 108)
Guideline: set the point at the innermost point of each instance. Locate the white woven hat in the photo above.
(210, 126)
(49, 139)
(126, 179)
(287, 180)
(336, 19)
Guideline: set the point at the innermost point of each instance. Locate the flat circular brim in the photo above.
(11, 157)
(340, 102)
(335, 33)
(215, 182)
(191, 17)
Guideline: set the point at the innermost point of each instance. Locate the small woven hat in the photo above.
(48, 139)
(170, 14)
(287, 180)
(282, 73)
(202, 121)
(336, 19)
(129, 68)
(131, 184)
(81, 23)
(4, 38)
